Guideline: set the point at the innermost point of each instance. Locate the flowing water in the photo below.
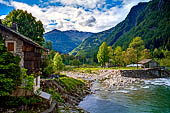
(153, 96)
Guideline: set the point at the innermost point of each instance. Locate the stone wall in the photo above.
(10, 37)
(148, 73)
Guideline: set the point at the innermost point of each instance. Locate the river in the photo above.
(151, 96)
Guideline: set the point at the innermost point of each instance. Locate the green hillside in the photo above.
(154, 28)
(151, 21)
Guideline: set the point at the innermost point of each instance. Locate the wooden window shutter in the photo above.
(10, 46)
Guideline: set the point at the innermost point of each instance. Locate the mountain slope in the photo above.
(65, 41)
(154, 29)
(91, 44)
(151, 21)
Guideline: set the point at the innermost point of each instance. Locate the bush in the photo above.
(10, 72)
(70, 83)
(17, 101)
(55, 95)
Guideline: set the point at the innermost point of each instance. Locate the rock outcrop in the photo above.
(71, 99)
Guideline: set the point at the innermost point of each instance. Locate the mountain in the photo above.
(151, 21)
(65, 41)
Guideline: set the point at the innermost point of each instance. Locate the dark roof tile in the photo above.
(22, 37)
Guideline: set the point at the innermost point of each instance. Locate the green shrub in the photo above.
(17, 101)
(70, 83)
(55, 95)
(10, 72)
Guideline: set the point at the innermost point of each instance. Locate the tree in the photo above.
(75, 62)
(51, 54)
(27, 25)
(167, 53)
(118, 56)
(110, 52)
(111, 55)
(145, 54)
(129, 56)
(10, 72)
(102, 55)
(137, 44)
(48, 45)
(158, 53)
(58, 62)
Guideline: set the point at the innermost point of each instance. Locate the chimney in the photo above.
(14, 26)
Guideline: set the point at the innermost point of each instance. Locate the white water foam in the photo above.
(121, 91)
(132, 88)
(145, 87)
(158, 81)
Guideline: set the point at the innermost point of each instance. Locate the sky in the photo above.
(82, 15)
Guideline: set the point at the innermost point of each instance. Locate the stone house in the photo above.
(28, 50)
(149, 63)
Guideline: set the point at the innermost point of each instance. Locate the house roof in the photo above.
(134, 65)
(144, 61)
(22, 37)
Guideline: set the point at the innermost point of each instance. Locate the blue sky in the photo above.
(83, 15)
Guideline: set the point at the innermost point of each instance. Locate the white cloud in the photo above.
(4, 2)
(83, 3)
(69, 17)
(2, 16)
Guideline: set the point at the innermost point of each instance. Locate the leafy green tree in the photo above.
(49, 69)
(111, 55)
(167, 54)
(48, 45)
(137, 44)
(145, 54)
(118, 56)
(51, 54)
(165, 61)
(158, 53)
(75, 62)
(10, 72)
(47, 64)
(27, 25)
(110, 52)
(102, 55)
(58, 62)
(129, 56)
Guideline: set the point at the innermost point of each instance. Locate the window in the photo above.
(10, 46)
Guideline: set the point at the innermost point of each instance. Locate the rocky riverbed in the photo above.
(110, 79)
(113, 79)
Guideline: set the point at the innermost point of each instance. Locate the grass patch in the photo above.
(93, 70)
(70, 83)
(55, 95)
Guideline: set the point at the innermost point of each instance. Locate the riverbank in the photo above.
(152, 96)
(120, 79)
(112, 78)
(67, 92)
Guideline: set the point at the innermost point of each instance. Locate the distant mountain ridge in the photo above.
(150, 20)
(66, 41)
